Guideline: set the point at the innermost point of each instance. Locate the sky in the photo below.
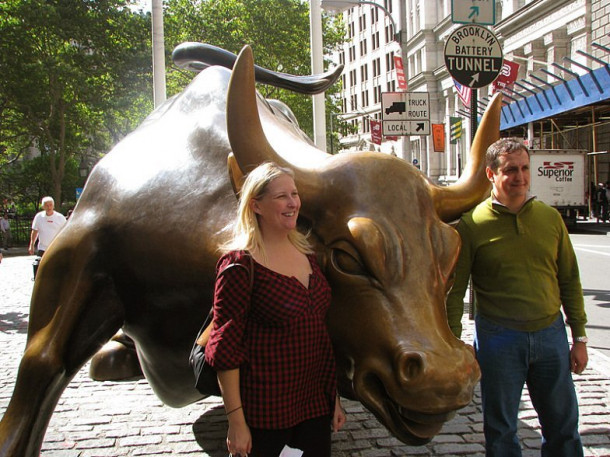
(146, 4)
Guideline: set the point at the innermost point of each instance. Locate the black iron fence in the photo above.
(21, 227)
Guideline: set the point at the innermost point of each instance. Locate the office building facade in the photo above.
(555, 43)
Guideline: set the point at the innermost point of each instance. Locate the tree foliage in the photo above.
(77, 74)
(277, 30)
(71, 71)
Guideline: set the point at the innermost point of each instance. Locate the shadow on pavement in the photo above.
(14, 322)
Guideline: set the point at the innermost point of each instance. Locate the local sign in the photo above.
(473, 56)
(405, 113)
(473, 12)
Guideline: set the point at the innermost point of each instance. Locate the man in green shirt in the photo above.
(523, 270)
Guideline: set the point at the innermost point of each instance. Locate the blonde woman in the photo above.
(269, 342)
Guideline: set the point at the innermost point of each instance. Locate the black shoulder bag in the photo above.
(206, 379)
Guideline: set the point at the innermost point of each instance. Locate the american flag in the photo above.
(464, 93)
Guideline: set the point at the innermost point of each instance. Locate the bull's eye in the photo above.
(348, 261)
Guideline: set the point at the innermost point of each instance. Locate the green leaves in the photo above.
(66, 64)
(277, 30)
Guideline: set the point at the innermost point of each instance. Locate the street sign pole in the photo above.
(474, 121)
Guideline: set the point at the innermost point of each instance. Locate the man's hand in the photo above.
(578, 357)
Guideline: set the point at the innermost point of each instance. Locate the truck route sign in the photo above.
(473, 56)
(405, 113)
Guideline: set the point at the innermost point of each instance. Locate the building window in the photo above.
(366, 125)
(364, 73)
(352, 78)
(389, 33)
(350, 30)
(375, 40)
(377, 94)
(363, 48)
(374, 14)
(376, 67)
(362, 22)
(352, 53)
(389, 61)
(388, 5)
(365, 98)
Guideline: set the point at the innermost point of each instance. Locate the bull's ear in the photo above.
(448, 246)
(235, 174)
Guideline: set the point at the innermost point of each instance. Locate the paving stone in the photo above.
(403, 451)
(139, 440)
(458, 449)
(370, 433)
(598, 439)
(116, 419)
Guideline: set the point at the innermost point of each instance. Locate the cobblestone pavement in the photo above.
(110, 419)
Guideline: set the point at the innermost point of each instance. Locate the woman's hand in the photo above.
(339, 417)
(239, 439)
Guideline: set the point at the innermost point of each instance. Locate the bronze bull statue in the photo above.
(140, 249)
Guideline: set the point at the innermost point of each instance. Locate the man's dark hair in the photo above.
(503, 146)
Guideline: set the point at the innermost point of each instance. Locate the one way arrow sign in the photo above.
(481, 12)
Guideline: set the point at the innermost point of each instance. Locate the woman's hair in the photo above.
(247, 234)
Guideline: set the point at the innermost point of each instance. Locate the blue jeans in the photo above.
(508, 360)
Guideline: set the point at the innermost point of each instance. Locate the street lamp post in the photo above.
(317, 67)
(158, 43)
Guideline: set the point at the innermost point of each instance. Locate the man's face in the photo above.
(48, 206)
(511, 180)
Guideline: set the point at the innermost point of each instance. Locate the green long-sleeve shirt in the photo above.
(523, 268)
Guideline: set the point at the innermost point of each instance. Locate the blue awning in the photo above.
(588, 89)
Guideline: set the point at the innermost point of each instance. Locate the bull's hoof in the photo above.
(116, 361)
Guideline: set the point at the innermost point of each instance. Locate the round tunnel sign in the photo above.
(473, 56)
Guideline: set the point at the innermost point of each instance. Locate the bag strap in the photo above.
(250, 269)
(206, 329)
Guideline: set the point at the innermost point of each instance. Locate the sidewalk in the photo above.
(111, 419)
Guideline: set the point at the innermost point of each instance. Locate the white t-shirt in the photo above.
(48, 227)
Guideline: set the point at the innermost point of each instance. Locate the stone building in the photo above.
(561, 98)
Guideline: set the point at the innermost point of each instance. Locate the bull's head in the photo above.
(388, 256)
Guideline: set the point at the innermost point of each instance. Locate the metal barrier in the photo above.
(21, 227)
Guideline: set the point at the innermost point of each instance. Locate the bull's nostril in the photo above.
(410, 366)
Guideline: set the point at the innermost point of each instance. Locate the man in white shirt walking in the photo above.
(46, 226)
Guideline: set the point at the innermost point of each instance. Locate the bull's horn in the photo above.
(197, 56)
(244, 128)
(245, 131)
(473, 186)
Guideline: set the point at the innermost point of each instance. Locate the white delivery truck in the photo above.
(559, 179)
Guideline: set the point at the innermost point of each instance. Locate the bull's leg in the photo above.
(74, 311)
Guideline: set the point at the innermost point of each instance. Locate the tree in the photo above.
(71, 70)
(277, 30)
